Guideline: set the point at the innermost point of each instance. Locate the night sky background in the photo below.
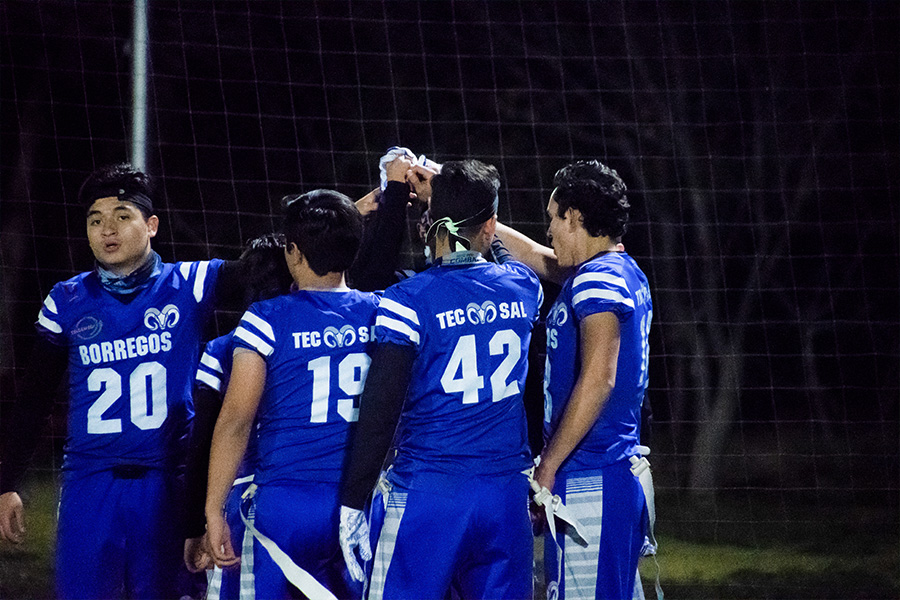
(758, 140)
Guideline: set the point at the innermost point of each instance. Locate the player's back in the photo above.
(470, 325)
(316, 345)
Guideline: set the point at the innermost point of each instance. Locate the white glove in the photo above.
(353, 533)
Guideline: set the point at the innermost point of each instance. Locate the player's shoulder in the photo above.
(220, 344)
(352, 304)
(612, 262)
(269, 306)
(73, 289)
(411, 286)
(193, 269)
(519, 271)
(365, 298)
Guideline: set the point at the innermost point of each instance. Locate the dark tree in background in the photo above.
(759, 141)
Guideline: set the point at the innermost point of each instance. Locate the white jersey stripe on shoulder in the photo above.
(399, 327)
(185, 270)
(254, 340)
(395, 307)
(50, 304)
(212, 362)
(602, 295)
(263, 326)
(210, 380)
(48, 324)
(200, 279)
(601, 277)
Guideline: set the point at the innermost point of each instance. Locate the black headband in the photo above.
(123, 194)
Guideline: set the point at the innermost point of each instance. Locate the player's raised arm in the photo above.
(384, 232)
(540, 258)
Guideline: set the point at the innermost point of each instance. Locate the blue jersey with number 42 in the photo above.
(316, 346)
(131, 365)
(609, 283)
(470, 325)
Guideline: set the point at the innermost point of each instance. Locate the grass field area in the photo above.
(751, 549)
(26, 570)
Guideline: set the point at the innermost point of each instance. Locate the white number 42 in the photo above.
(461, 373)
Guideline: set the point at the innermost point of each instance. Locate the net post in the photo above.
(140, 48)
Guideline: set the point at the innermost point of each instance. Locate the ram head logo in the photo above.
(485, 313)
(338, 339)
(161, 319)
(558, 315)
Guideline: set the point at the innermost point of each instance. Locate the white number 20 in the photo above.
(461, 373)
(148, 376)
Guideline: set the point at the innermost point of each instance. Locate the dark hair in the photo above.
(465, 191)
(121, 181)
(267, 272)
(327, 228)
(598, 193)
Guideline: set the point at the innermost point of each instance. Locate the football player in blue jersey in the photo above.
(383, 213)
(299, 365)
(449, 367)
(128, 331)
(594, 381)
(265, 255)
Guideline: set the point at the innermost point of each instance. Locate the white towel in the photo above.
(395, 152)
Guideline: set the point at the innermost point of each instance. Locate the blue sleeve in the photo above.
(50, 322)
(396, 322)
(215, 364)
(255, 332)
(599, 287)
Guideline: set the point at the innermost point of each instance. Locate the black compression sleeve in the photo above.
(33, 405)
(499, 251)
(207, 404)
(379, 410)
(382, 240)
(231, 286)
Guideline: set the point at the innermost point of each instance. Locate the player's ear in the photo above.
(152, 225)
(292, 254)
(490, 227)
(573, 218)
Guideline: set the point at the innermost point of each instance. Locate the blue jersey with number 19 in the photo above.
(131, 365)
(470, 325)
(608, 283)
(316, 346)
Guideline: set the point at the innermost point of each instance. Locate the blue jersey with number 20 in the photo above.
(131, 365)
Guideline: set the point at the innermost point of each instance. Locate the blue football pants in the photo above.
(118, 537)
(471, 535)
(303, 520)
(609, 505)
